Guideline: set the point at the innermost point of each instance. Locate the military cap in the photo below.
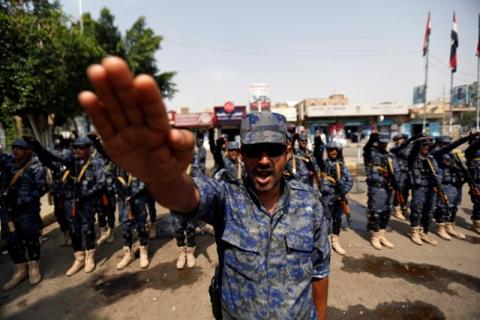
(400, 136)
(20, 143)
(81, 141)
(443, 139)
(303, 136)
(263, 127)
(233, 145)
(383, 138)
(333, 145)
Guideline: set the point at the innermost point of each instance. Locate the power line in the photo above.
(448, 67)
(292, 55)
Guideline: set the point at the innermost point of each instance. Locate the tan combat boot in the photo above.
(415, 236)
(78, 264)
(450, 228)
(89, 260)
(66, 241)
(103, 236)
(375, 240)
(144, 262)
(384, 240)
(336, 244)
(182, 258)
(442, 232)
(398, 213)
(152, 230)
(21, 273)
(476, 226)
(427, 239)
(34, 275)
(110, 235)
(189, 251)
(127, 258)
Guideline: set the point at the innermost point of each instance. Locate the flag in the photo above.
(454, 46)
(426, 38)
(478, 43)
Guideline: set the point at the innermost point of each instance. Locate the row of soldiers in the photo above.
(87, 182)
(432, 173)
(84, 183)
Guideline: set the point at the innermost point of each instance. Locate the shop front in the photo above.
(227, 119)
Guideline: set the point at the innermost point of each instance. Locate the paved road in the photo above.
(408, 282)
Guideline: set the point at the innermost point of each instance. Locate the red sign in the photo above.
(229, 106)
(190, 120)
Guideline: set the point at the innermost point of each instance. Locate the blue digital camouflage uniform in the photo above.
(80, 199)
(20, 206)
(424, 199)
(132, 207)
(185, 224)
(306, 165)
(403, 175)
(472, 155)
(269, 259)
(106, 202)
(57, 191)
(380, 193)
(451, 179)
(334, 186)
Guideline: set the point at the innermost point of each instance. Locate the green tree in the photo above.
(141, 44)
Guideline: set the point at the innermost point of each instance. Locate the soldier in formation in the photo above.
(23, 183)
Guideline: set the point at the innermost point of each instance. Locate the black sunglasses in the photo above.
(80, 147)
(271, 149)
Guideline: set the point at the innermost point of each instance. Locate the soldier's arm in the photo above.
(449, 147)
(320, 295)
(131, 118)
(347, 181)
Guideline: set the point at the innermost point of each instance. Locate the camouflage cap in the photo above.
(383, 138)
(233, 145)
(20, 143)
(443, 139)
(81, 141)
(263, 127)
(303, 136)
(333, 145)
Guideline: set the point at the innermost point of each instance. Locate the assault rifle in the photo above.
(392, 180)
(343, 199)
(467, 176)
(437, 185)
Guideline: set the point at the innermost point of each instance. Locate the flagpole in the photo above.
(425, 102)
(478, 92)
(451, 105)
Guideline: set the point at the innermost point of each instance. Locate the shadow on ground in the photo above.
(397, 310)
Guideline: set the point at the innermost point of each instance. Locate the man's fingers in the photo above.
(151, 101)
(121, 81)
(90, 103)
(181, 140)
(99, 78)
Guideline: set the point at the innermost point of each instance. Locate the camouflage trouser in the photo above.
(82, 224)
(476, 206)
(184, 224)
(333, 209)
(105, 207)
(137, 220)
(152, 211)
(380, 205)
(422, 207)
(404, 185)
(22, 243)
(59, 212)
(444, 213)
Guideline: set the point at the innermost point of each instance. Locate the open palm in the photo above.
(130, 116)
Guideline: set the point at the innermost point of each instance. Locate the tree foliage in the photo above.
(44, 56)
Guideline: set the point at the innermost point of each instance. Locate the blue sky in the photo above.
(369, 50)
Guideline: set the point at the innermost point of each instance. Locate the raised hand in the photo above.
(130, 116)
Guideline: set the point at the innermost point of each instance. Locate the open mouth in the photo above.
(263, 177)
